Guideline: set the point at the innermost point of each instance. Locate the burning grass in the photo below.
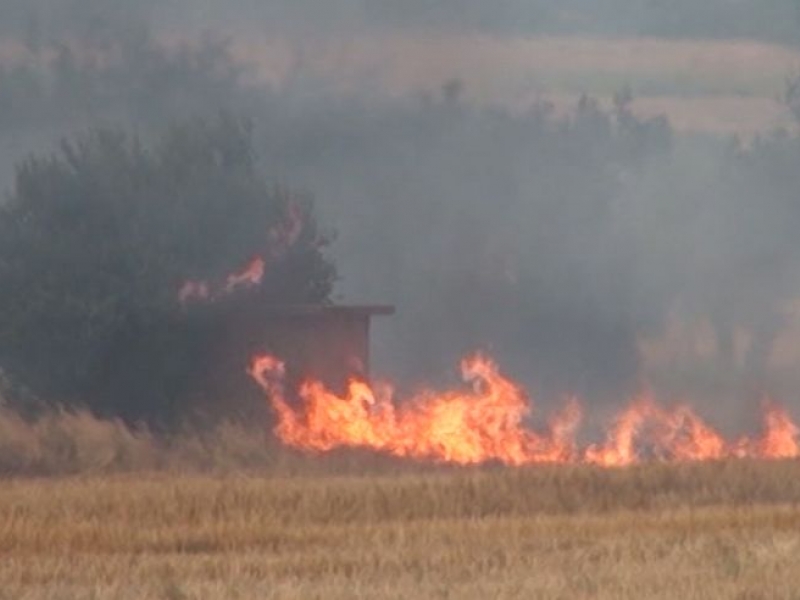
(485, 421)
(714, 530)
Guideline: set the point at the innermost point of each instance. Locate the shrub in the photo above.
(96, 241)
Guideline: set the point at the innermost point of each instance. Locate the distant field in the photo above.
(727, 530)
(717, 86)
(712, 86)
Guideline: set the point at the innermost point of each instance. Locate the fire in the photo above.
(619, 450)
(780, 439)
(280, 240)
(251, 275)
(678, 434)
(485, 422)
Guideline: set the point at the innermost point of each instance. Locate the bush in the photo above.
(96, 241)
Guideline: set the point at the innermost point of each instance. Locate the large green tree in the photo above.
(97, 240)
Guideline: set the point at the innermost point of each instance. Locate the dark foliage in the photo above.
(96, 241)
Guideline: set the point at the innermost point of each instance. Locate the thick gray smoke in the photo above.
(592, 252)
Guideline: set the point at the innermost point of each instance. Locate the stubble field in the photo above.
(718, 530)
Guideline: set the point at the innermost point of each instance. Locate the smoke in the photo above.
(684, 18)
(592, 251)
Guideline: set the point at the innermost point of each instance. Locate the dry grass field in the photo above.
(712, 531)
(122, 515)
(710, 86)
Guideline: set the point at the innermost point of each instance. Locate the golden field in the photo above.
(229, 515)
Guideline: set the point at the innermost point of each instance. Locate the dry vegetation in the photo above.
(712, 86)
(224, 515)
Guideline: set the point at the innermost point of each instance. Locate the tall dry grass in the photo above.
(75, 442)
(70, 443)
(61, 442)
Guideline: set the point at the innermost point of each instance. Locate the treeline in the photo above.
(131, 78)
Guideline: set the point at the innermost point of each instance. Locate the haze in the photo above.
(446, 144)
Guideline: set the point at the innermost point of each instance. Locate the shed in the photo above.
(329, 343)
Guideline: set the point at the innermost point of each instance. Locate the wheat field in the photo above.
(229, 516)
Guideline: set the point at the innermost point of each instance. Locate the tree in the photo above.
(97, 241)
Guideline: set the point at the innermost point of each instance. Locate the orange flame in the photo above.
(485, 422)
(780, 439)
(619, 449)
(252, 274)
(280, 239)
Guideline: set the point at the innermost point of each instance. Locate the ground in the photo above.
(720, 530)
